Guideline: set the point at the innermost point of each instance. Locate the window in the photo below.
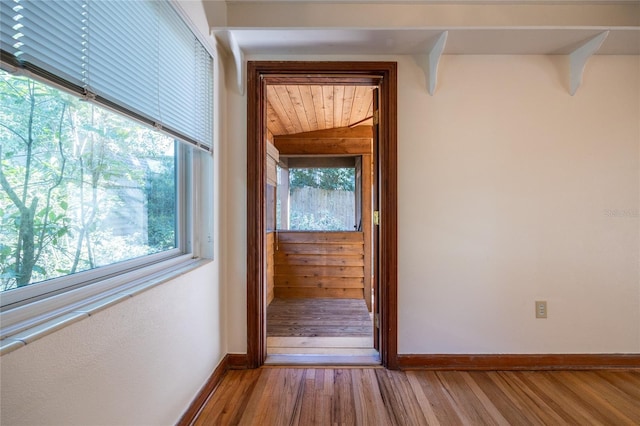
(82, 187)
(322, 199)
(106, 124)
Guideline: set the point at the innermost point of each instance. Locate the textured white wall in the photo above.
(506, 188)
(140, 362)
(506, 191)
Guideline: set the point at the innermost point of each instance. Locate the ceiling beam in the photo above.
(357, 132)
(323, 146)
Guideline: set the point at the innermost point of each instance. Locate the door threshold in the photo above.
(323, 360)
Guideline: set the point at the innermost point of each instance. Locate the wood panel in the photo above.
(367, 229)
(293, 108)
(318, 281)
(342, 249)
(270, 275)
(317, 146)
(337, 141)
(332, 293)
(302, 259)
(319, 237)
(375, 396)
(313, 264)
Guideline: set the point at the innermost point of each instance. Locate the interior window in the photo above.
(322, 199)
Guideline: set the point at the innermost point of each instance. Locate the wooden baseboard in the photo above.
(518, 361)
(238, 361)
(229, 362)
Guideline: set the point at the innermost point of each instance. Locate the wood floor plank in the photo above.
(401, 402)
(425, 404)
(590, 394)
(368, 403)
(343, 403)
(484, 399)
(441, 402)
(228, 403)
(544, 407)
(368, 396)
(464, 399)
(510, 402)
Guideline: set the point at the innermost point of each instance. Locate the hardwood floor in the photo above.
(376, 396)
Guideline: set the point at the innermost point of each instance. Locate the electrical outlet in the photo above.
(541, 308)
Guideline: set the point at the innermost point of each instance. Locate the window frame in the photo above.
(34, 304)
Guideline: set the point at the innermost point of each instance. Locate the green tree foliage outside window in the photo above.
(335, 179)
(80, 186)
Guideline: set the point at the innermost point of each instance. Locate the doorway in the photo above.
(261, 214)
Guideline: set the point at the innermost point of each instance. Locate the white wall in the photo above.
(508, 192)
(506, 188)
(140, 362)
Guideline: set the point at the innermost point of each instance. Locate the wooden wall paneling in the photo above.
(290, 279)
(342, 249)
(312, 237)
(367, 228)
(271, 248)
(305, 259)
(311, 264)
(328, 293)
(338, 271)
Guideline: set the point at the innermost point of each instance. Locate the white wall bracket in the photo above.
(429, 62)
(226, 38)
(578, 60)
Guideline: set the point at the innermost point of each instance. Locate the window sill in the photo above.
(40, 324)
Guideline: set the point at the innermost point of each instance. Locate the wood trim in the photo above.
(202, 397)
(388, 205)
(256, 180)
(518, 361)
(356, 132)
(321, 146)
(229, 362)
(383, 74)
(238, 361)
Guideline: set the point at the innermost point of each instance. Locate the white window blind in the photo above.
(136, 56)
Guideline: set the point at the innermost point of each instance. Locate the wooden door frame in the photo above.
(257, 71)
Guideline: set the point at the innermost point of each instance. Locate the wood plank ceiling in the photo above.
(295, 109)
